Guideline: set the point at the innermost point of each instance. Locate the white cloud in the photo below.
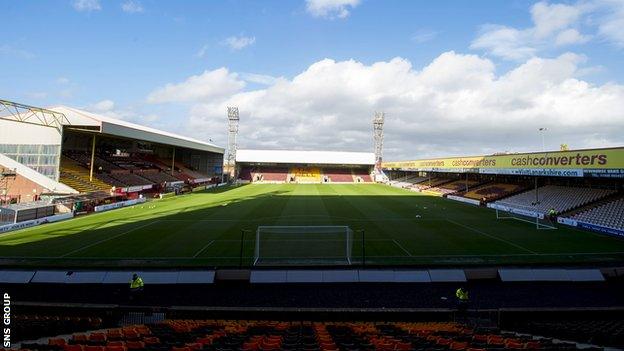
(551, 18)
(104, 106)
(555, 25)
(331, 8)
(108, 108)
(505, 42)
(571, 36)
(11, 51)
(62, 80)
(262, 79)
(424, 35)
(87, 5)
(132, 6)
(551, 24)
(611, 25)
(239, 42)
(202, 51)
(208, 85)
(456, 104)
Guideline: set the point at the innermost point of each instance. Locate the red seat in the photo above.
(135, 345)
(94, 348)
(57, 341)
(116, 343)
(69, 347)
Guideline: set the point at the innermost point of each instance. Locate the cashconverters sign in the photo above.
(578, 163)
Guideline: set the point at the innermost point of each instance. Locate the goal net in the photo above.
(303, 245)
(525, 214)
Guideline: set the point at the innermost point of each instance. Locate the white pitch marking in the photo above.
(203, 248)
(401, 247)
(493, 237)
(107, 239)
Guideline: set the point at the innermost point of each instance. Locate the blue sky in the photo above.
(117, 58)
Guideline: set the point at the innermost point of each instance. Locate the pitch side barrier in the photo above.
(35, 222)
(591, 226)
(301, 276)
(119, 204)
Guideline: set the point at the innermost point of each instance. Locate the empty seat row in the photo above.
(219, 335)
(560, 198)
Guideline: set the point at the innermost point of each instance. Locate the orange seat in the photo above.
(151, 340)
(459, 345)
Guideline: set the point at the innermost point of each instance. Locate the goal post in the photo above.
(525, 214)
(303, 245)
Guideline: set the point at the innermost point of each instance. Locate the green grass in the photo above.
(204, 229)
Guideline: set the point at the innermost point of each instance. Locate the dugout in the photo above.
(16, 213)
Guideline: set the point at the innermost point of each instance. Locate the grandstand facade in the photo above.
(91, 153)
(585, 188)
(307, 167)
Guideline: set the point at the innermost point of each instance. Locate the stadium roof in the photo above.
(306, 157)
(116, 127)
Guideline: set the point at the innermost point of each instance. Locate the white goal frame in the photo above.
(529, 216)
(348, 232)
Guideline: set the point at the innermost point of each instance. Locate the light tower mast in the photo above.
(233, 120)
(378, 122)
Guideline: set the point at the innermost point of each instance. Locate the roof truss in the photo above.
(17, 112)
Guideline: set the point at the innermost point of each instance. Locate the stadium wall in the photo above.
(34, 146)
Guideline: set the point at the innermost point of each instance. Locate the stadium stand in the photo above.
(306, 174)
(610, 214)
(430, 183)
(120, 172)
(407, 181)
(85, 159)
(189, 335)
(492, 192)
(601, 332)
(130, 179)
(337, 175)
(77, 177)
(106, 178)
(271, 174)
(561, 198)
(245, 174)
(362, 176)
(158, 176)
(453, 187)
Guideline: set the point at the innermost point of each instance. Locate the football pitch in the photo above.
(213, 228)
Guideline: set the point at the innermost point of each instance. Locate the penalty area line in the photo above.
(493, 237)
(203, 248)
(401, 247)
